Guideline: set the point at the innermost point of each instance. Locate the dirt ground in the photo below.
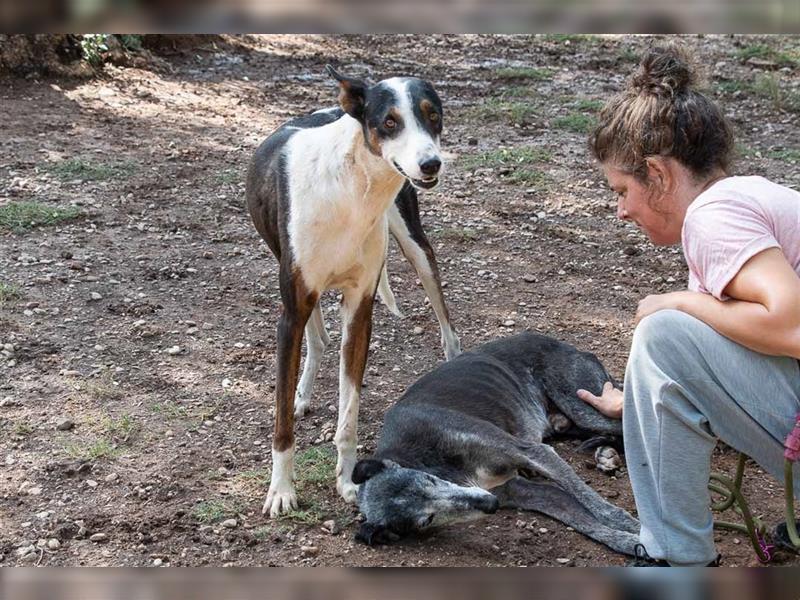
(138, 376)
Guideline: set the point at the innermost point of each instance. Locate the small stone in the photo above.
(173, 350)
(529, 279)
(91, 483)
(65, 425)
(208, 255)
(331, 527)
(542, 530)
(35, 491)
(111, 477)
(98, 537)
(563, 561)
(230, 523)
(157, 562)
(226, 383)
(418, 330)
(95, 296)
(509, 323)
(309, 550)
(53, 544)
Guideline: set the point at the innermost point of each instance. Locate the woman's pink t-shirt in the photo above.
(731, 222)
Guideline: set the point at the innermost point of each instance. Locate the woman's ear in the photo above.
(660, 173)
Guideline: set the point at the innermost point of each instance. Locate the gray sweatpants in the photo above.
(685, 387)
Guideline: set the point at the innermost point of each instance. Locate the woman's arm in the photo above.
(763, 313)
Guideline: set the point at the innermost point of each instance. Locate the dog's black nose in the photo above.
(490, 505)
(430, 166)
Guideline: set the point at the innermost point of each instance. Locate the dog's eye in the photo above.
(425, 521)
(390, 123)
(434, 117)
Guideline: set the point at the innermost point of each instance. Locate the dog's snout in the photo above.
(490, 505)
(430, 166)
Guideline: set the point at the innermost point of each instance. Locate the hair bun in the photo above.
(664, 70)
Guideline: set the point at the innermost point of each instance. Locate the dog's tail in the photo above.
(386, 294)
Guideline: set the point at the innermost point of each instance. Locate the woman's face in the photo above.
(634, 203)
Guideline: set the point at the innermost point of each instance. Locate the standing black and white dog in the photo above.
(468, 438)
(324, 191)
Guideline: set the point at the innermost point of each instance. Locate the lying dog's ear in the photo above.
(352, 93)
(366, 468)
(372, 533)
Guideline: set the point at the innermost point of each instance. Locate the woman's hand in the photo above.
(657, 302)
(609, 402)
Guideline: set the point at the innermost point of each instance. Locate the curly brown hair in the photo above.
(661, 113)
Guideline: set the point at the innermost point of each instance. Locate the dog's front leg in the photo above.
(546, 461)
(549, 499)
(406, 228)
(356, 328)
(297, 306)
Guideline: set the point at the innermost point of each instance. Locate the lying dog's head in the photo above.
(402, 122)
(397, 501)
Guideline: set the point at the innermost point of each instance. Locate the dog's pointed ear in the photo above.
(352, 94)
(366, 468)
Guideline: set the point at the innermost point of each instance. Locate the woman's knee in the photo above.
(664, 335)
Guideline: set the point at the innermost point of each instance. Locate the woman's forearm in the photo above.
(750, 324)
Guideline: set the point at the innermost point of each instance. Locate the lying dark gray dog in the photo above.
(467, 439)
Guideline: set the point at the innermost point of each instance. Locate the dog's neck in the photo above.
(376, 181)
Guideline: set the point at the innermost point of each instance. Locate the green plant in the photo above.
(315, 466)
(169, 410)
(93, 46)
(9, 292)
(130, 42)
(789, 58)
(22, 429)
(588, 104)
(229, 176)
(508, 156)
(86, 170)
(575, 122)
(20, 216)
(786, 154)
(496, 109)
(211, 511)
(120, 429)
(102, 448)
(573, 38)
(460, 234)
(529, 177)
(513, 73)
(627, 54)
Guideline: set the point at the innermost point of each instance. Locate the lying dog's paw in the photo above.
(371, 534)
(559, 422)
(607, 459)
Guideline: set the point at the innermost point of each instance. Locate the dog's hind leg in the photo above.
(356, 331)
(567, 372)
(549, 499)
(317, 340)
(406, 227)
(547, 462)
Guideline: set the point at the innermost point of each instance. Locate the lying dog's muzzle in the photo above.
(490, 505)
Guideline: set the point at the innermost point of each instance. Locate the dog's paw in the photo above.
(301, 407)
(279, 502)
(347, 490)
(607, 459)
